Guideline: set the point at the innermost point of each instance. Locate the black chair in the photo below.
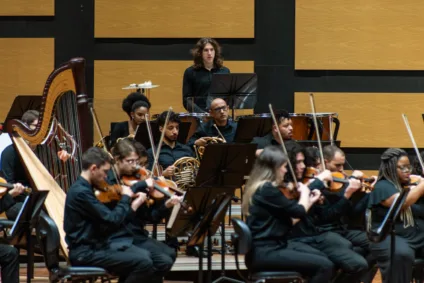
(49, 240)
(242, 241)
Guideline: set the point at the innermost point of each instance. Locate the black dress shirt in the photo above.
(168, 155)
(196, 85)
(120, 130)
(270, 215)
(88, 222)
(264, 141)
(208, 130)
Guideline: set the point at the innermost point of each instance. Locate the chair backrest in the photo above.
(49, 239)
(242, 237)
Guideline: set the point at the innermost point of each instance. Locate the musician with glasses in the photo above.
(14, 172)
(220, 126)
(393, 175)
(197, 78)
(112, 236)
(171, 150)
(136, 105)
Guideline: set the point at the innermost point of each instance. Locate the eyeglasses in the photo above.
(223, 108)
(405, 169)
(132, 161)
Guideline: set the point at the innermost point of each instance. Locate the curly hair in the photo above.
(198, 49)
(133, 97)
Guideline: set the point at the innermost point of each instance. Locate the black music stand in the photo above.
(20, 233)
(387, 226)
(21, 104)
(239, 90)
(142, 135)
(250, 127)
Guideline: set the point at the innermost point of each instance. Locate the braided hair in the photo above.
(388, 171)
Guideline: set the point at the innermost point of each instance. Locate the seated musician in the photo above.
(333, 245)
(107, 236)
(171, 150)
(227, 127)
(9, 255)
(136, 105)
(13, 170)
(197, 78)
(285, 126)
(393, 175)
(271, 216)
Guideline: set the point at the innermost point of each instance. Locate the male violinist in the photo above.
(220, 125)
(171, 150)
(334, 159)
(106, 236)
(335, 247)
(285, 127)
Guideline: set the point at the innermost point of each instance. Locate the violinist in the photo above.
(220, 126)
(136, 105)
(271, 216)
(171, 150)
(334, 246)
(393, 175)
(100, 235)
(285, 127)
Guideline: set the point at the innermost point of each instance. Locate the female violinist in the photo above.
(394, 173)
(271, 216)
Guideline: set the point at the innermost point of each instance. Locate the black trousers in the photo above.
(9, 262)
(361, 245)
(13, 211)
(296, 256)
(339, 251)
(403, 260)
(147, 260)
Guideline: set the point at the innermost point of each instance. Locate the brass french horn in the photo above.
(185, 172)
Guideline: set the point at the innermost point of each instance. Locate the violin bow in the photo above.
(99, 130)
(414, 144)
(314, 118)
(280, 138)
(156, 156)
(152, 143)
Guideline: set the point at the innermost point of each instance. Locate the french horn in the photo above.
(185, 172)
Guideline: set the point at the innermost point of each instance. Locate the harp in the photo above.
(62, 124)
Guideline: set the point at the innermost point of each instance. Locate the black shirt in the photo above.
(168, 155)
(383, 190)
(264, 141)
(12, 168)
(208, 130)
(135, 223)
(270, 215)
(88, 222)
(196, 85)
(120, 130)
(311, 224)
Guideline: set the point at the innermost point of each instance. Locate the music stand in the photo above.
(25, 221)
(238, 89)
(250, 127)
(142, 135)
(21, 104)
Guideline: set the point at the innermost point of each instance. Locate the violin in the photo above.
(339, 182)
(4, 186)
(289, 190)
(310, 173)
(413, 181)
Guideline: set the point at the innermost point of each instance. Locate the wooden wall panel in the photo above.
(111, 76)
(26, 7)
(359, 35)
(175, 19)
(371, 119)
(25, 65)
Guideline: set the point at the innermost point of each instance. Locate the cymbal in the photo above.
(145, 85)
